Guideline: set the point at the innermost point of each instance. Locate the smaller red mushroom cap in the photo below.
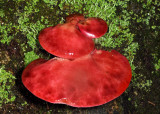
(88, 81)
(93, 27)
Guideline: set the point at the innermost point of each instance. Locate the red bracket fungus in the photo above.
(91, 78)
(93, 27)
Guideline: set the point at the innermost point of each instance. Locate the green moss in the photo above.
(25, 103)
(145, 85)
(29, 28)
(2, 14)
(157, 65)
(29, 57)
(6, 83)
(50, 3)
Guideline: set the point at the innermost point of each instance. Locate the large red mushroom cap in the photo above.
(88, 81)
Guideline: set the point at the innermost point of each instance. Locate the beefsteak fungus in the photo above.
(84, 77)
(88, 81)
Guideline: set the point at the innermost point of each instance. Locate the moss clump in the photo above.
(6, 83)
(29, 57)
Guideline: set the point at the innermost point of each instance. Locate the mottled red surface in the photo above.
(88, 81)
